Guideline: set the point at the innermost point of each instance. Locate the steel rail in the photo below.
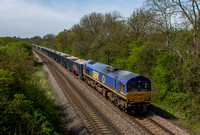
(147, 130)
(59, 77)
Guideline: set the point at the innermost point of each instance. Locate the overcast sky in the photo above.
(28, 18)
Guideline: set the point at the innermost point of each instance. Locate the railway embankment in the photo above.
(26, 103)
(72, 124)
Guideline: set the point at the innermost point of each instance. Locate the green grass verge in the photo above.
(27, 105)
(179, 116)
(30, 108)
(46, 110)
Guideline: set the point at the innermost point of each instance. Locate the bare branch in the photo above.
(195, 16)
(197, 5)
(184, 11)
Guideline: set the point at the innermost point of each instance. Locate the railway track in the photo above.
(96, 122)
(153, 127)
(150, 126)
(145, 122)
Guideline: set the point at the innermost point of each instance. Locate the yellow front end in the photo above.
(138, 97)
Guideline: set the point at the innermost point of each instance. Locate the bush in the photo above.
(25, 106)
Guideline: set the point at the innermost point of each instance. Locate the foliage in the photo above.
(166, 73)
(6, 40)
(25, 107)
(159, 41)
(49, 41)
(61, 40)
(36, 40)
(136, 51)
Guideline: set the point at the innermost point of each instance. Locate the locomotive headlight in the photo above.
(130, 100)
(147, 99)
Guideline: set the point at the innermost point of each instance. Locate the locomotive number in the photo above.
(95, 75)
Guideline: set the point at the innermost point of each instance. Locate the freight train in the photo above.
(129, 91)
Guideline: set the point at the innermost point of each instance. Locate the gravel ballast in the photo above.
(72, 123)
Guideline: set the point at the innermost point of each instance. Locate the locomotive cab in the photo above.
(138, 93)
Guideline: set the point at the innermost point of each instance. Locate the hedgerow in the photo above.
(25, 106)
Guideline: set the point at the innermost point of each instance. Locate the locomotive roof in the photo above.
(114, 72)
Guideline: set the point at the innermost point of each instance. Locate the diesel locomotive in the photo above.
(129, 91)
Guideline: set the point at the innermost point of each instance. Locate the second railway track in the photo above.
(94, 119)
(149, 125)
(95, 122)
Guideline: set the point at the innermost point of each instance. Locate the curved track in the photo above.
(153, 127)
(145, 122)
(95, 121)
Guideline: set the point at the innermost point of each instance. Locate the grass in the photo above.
(40, 93)
(30, 107)
(27, 105)
(40, 78)
(179, 116)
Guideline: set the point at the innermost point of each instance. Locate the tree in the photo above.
(49, 40)
(114, 37)
(92, 23)
(61, 40)
(191, 11)
(36, 40)
(179, 40)
(164, 11)
(99, 36)
(79, 40)
(140, 24)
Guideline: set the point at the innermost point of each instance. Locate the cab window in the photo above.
(87, 71)
(133, 87)
(144, 87)
(122, 88)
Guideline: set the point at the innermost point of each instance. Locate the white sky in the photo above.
(28, 18)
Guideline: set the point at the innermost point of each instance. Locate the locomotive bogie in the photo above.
(122, 104)
(112, 96)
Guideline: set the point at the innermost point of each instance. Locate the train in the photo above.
(129, 91)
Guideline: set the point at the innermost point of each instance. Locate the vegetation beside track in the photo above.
(160, 40)
(26, 103)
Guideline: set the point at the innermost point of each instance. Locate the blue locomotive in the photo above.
(127, 90)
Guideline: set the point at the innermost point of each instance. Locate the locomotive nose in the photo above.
(138, 97)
